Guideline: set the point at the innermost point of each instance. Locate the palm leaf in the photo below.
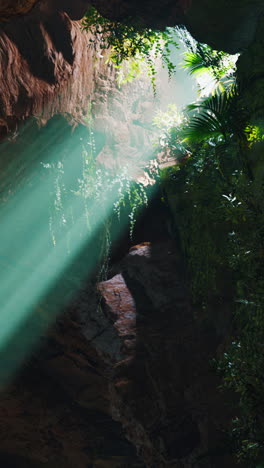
(216, 116)
(195, 63)
(203, 127)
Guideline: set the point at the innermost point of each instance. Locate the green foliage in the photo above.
(207, 64)
(254, 134)
(202, 58)
(130, 42)
(171, 125)
(219, 116)
(97, 190)
(243, 363)
(218, 211)
(194, 63)
(129, 70)
(194, 191)
(98, 186)
(220, 120)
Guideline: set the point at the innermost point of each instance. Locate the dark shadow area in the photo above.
(32, 34)
(28, 37)
(165, 384)
(49, 424)
(75, 10)
(59, 30)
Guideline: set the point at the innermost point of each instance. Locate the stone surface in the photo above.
(161, 388)
(134, 351)
(228, 25)
(9, 8)
(56, 414)
(46, 67)
(250, 71)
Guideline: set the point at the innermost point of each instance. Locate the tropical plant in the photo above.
(217, 67)
(218, 211)
(171, 125)
(204, 59)
(218, 117)
(221, 120)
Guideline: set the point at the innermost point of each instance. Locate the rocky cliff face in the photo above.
(47, 66)
(138, 355)
(9, 8)
(225, 25)
(251, 76)
(230, 26)
(161, 388)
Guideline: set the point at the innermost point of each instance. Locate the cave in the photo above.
(132, 234)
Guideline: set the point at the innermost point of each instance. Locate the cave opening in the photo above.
(131, 242)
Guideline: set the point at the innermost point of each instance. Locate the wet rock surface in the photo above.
(41, 425)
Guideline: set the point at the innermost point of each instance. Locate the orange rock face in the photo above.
(46, 67)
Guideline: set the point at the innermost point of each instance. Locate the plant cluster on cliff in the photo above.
(216, 193)
(103, 202)
(213, 69)
(131, 44)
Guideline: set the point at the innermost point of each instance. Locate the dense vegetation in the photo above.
(216, 195)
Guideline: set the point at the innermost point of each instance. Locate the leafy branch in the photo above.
(129, 41)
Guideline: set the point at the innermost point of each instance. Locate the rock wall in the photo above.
(56, 414)
(228, 25)
(46, 66)
(9, 8)
(139, 355)
(161, 388)
(250, 74)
